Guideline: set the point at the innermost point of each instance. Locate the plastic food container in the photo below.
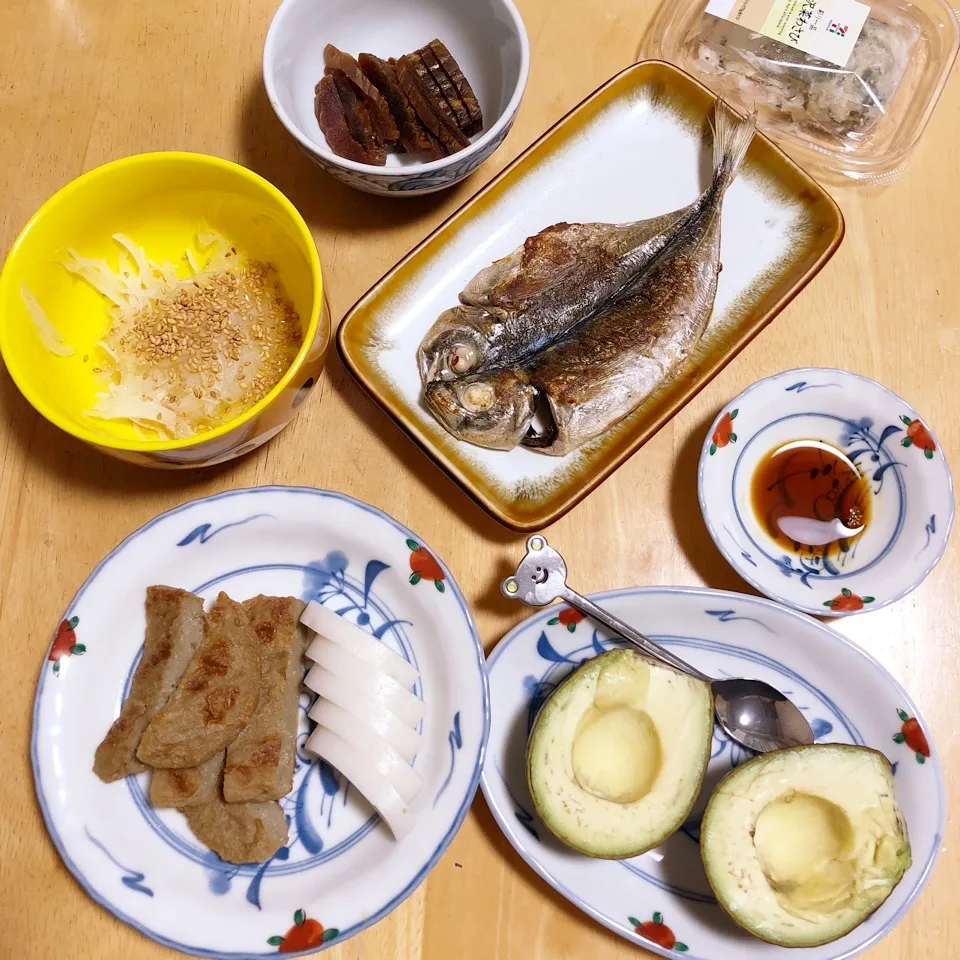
(854, 108)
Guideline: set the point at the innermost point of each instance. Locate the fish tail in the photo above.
(732, 136)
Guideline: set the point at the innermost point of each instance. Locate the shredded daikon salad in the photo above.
(48, 333)
(191, 345)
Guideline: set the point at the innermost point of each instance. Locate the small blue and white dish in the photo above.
(340, 870)
(905, 478)
(486, 37)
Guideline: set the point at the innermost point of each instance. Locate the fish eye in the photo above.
(478, 397)
(463, 357)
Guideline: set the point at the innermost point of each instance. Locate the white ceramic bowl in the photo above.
(912, 490)
(487, 38)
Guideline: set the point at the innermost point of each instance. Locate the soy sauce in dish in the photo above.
(811, 481)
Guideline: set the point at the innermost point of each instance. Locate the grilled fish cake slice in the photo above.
(216, 696)
(187, 786)
(174, 630)
(260, 761)
(239, 832)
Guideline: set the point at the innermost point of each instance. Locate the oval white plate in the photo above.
(341, 871)
(847, 696)
(912, 506)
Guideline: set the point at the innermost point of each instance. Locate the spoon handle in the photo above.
(650, 648)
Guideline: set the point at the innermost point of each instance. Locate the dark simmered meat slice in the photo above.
(434, 93)
(359, 122)
(437, 149)
(413, 135)
(410, 84)
(446, 86)
(333, 122)
(380, 116)
(454, 72)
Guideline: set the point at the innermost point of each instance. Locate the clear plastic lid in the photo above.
(858, 114)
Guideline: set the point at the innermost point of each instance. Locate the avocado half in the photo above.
(617, 754)
(800, 846)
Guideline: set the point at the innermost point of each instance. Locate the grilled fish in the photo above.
(598, 371)
(518, 304)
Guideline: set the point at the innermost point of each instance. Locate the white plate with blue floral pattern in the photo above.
(911, 490)
(661, 900)
(340, 871)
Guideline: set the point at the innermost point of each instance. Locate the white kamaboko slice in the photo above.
(361, 772)
(373, 748)
(365, 679)
(367, 647)
(402, 737)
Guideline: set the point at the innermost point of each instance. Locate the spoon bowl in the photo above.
(752, 713)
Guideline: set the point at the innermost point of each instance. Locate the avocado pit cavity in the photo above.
(804, 844)
(616, 748)
(616, 754)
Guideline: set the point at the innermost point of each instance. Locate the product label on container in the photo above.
(827, 29)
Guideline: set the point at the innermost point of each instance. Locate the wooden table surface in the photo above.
(85, 81)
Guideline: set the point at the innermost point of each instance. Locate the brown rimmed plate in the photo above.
(637, 147)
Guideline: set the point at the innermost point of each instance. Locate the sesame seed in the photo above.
(188, 341)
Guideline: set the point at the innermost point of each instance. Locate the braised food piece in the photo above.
(437, 149)
(435, 97)
(215, 697)
(358, 119)
(414, 137)
(187, 786)
(260, 761)
(454, 72)
(333, 122)
(383, 122)
(450, 92)
(239, 832)
(410, 84)
(174, 630)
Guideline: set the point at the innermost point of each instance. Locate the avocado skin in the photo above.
(712, 879)
(541, 728)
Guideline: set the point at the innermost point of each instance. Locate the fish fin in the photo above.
(732, 136)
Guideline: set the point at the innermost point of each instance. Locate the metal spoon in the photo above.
(752, 712)
(815, 533)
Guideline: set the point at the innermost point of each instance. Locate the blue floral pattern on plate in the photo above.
(338, 864)
(847, 696)
(911, 508)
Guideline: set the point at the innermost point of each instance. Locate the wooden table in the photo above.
(86, 81)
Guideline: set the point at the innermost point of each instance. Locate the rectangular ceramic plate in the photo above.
(637, 147)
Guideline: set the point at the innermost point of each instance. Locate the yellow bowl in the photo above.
(158, 200)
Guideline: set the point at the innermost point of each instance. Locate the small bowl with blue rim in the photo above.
(486, 37)
(904, 483)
